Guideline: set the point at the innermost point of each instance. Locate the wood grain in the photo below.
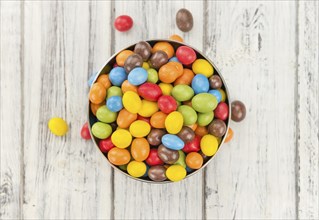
(136, 200)
(11, 111)
(253, 45)
(307, 111)
(65, 177)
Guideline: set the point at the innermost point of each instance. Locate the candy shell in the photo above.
(58, 126)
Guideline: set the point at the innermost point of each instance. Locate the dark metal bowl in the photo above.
(106, 69)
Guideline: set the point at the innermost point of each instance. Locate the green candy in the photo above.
(101, 130)
(204, 119)
(182, 92)
(114, 91)
(181, 159)
(152, 75)
(123, 167)
(105, 115)
(204, 102)
(189, 114)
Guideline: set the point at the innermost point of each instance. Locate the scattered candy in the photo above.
(156, 118)
(58, 126)
(85, 133)
(123, 23)
(184, 20)
(229, 135)
(176, 38)
(238, 111)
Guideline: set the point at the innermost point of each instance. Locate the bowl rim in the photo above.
(227, 101)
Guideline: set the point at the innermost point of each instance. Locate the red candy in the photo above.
(167, 104)
(106, 145)
(153, 158)
(148, 120)
(150, 91)
(192, 146)
(123, 23)
(221, 111)
(85, 133)
(185, 55)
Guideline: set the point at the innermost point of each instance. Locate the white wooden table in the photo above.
(268, 54)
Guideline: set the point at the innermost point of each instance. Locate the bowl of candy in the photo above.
(159, 111)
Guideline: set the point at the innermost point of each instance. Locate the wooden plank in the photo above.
(133, 199)
(11, 115)
(253, 177)
(65, 177)
(307, 110)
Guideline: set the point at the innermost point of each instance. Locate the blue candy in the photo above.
(117, 76)
(137, 76)
(173, 59)
(189, 170)
(114, 103)
(91, 79)
(200, 84)
(172, 141)
(216, 93)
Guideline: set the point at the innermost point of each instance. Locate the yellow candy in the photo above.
(166, 88)
(222, 92)
(203, 66)
(132, 102)
(140, 128)
(175, 173)
(146, 65)
(58, 126)
(148, 108)
(209, 145)
(136, 169)
(121, 138)
(174, 122)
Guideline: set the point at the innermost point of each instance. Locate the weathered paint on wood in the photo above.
(11, 112)
(268, 54)
(254, 45)
(307, 111)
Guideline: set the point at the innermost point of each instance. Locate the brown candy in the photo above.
(184, 20)
(217, 128)
(133, 61)
(168, 156)
(186, 134)
(155, 136)
(114, 126)
(157, 173)
(158, 59)
(238, 111)
(215, 82)
(205, 158)
(143, 49)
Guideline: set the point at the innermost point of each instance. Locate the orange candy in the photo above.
(186, 78)
(97, 93)
(194, 160)
(230, 135)
(193, 126)
(122, 56)
(119, 156)
(104, 79)
(125, 118)
(126, 86)
(164, 46)
(176, 38)
(201, 131)
(95, 107)
(169, 72)
(140, 149)
(158, 120)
